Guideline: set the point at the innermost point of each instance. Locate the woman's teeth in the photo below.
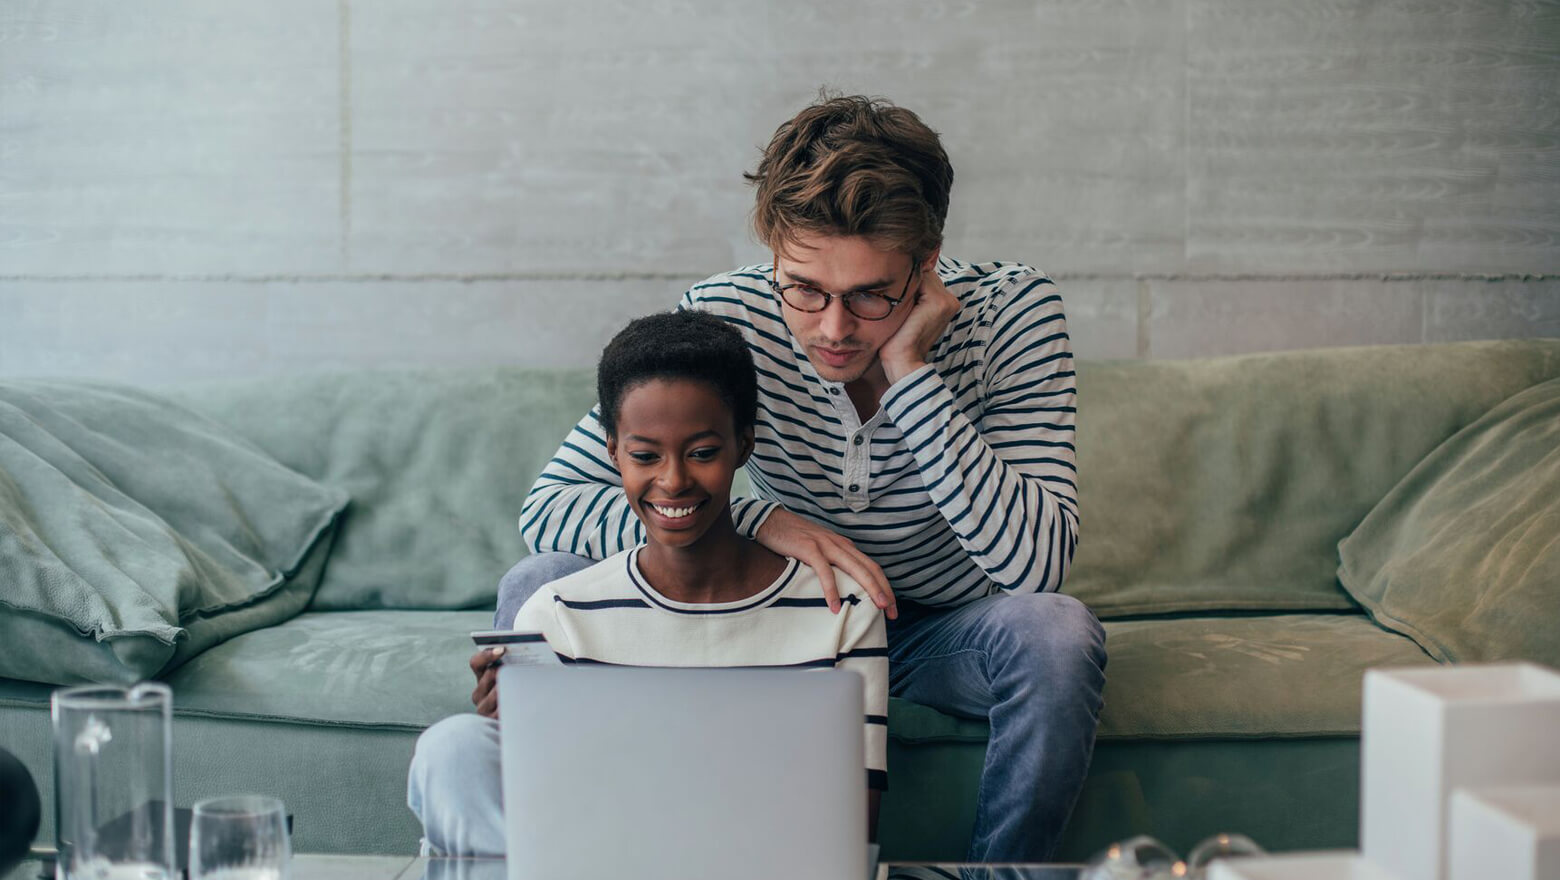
(674, 512)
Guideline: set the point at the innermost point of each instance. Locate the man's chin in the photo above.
(846, 374)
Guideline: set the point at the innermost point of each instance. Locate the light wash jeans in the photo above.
(1032, 664)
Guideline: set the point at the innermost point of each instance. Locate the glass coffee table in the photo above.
(493, 869)
(339, 867)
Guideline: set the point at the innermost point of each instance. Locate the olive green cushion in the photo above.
(1463, 555)
(1289, 675)
(1227, 483)
(135, 533)
(438, 463)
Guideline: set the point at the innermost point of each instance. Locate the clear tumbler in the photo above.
(113, 782)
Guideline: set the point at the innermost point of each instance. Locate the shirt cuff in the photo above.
(907, 381)
(749, 514)
(914, 404)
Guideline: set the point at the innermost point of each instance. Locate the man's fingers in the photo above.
(823, 550)
(871, 577)
(861, 567)
(831, 591)
(845, 556)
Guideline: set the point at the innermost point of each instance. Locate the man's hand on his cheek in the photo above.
(824, 550)
(931, 310)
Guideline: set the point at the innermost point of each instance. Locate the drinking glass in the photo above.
(243, 837)
(113, 783)
(1220, 846)
(1140, 858)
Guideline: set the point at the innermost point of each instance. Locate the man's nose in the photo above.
(836, 322)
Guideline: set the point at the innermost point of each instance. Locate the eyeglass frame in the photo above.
(844, 298)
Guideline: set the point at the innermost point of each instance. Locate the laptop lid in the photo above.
(659, 774)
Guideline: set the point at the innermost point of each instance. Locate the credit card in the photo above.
(520, 648)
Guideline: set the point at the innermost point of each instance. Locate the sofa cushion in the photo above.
(438, 463)
(1289, 675)
(1463, 555)
(1204, 677)
(1227, 483)
(392, 669)
(135, 533)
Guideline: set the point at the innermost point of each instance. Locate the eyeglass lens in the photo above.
(871, 306)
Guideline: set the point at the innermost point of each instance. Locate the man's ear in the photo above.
(745, 446)
(612, 448)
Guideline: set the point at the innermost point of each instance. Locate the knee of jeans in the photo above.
(1053, 631)
(527, 576)
(533, 571)
(444, 751)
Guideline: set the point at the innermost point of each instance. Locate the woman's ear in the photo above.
(931, 262)
(745, 446)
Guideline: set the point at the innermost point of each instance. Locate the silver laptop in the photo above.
(670, 774)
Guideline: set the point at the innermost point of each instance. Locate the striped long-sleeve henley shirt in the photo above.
(962, 484)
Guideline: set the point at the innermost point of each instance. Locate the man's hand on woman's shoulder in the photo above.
(824, 550)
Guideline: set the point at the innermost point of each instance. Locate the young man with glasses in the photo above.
(916, 431)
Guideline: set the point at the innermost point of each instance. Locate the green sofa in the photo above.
(1214, 496)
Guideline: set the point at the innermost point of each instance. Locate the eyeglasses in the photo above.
(866, 306)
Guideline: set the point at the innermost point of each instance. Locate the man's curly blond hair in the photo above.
(853, 166)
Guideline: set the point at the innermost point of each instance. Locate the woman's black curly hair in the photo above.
(685, 344)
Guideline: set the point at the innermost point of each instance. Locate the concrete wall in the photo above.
(205, 188)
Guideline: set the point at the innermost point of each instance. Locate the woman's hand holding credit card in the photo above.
(497, 648)
(513, 646)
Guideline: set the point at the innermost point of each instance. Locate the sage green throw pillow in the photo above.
(1463, 555)
(438, 463)
(135, 533)
(1225, 484)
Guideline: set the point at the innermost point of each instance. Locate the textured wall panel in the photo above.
(1102, 317)
(221, 187)
(162, 332)
(1494, 310)
(172, 136)
(450, 324)
(491, 136)
(149, 331)
(1201, 319)
(1342, 135)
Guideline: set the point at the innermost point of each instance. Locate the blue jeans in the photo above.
(1033, 665)
(454, 785)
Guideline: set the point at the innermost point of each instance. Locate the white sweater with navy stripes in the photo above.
(963, 484)
(609, 613)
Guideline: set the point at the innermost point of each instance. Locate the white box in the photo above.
(1299, 866)
(1427, 731)
(1510, 833)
